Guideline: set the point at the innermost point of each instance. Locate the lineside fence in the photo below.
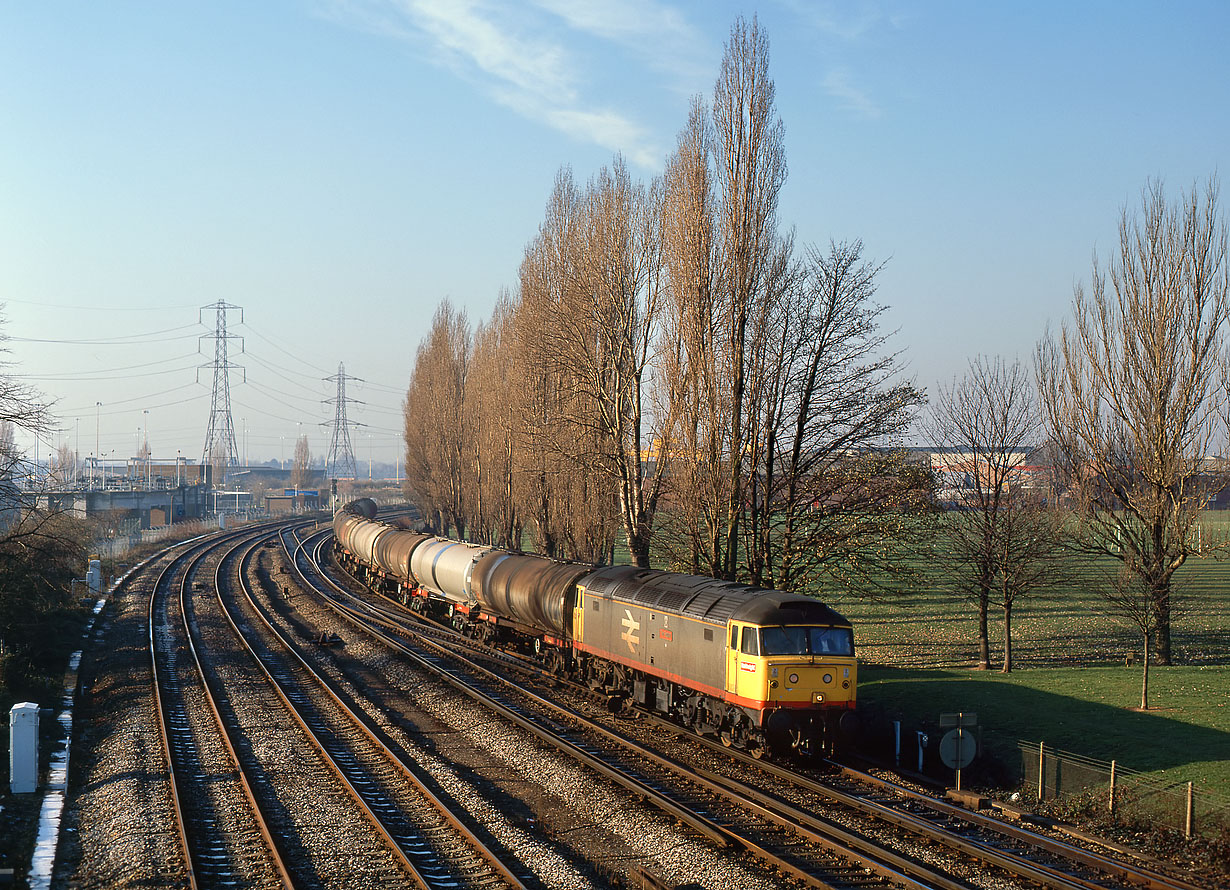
(1130, 796)
(117, 547)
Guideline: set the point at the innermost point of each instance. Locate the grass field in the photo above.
(1071, 687)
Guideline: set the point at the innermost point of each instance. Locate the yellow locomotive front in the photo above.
(801, 679)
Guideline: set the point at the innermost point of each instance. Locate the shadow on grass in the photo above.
(1062, 716)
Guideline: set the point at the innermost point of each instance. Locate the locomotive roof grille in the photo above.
(707, 599)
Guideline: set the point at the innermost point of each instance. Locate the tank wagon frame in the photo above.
(758, 668)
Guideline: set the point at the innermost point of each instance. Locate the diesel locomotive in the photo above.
(760, 669)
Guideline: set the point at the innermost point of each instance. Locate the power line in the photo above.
(96, 307)
(297, 358)
(71, 375)
(279, 395)
(162, 373)
(122, 340)
(64, 412)
(315, 390)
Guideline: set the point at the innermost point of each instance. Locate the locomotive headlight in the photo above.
(828, 678)
(794, 678)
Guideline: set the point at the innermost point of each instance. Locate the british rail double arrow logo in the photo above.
(631, 626)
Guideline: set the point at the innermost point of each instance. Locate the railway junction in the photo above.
(252, 716)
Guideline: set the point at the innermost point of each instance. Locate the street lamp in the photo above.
(97, 449)
(148, 450)
(177, 453)
(297, 441)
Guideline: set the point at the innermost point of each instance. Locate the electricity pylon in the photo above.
(220, 437)
(340, 464)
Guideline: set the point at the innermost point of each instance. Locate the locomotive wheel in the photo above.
(691, 714)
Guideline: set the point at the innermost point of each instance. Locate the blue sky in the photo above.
(336, 167)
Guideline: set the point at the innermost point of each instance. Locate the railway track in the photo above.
(834, 858)
(243, 817)
(432, 841)
(903, 822)
(210, 792)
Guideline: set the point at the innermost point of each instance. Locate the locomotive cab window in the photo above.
(807, 641)
(751, 642)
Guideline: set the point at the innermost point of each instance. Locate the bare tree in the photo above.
(1131, 393)
(40, 550)
(1031, 553)
(690, 357)
(543, 469)
(1132, 600)
(301, 466)
(219, 462)
(438, 430)
(834, 485)
(1001, 539)
(591, 319)
(64, 466)
(493, 403)
(21, 405)
(750, 158)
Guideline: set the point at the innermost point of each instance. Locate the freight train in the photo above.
(760, 669)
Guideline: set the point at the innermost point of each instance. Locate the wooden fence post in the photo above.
(1191, 811)
(1041, 771)
(1112, 788)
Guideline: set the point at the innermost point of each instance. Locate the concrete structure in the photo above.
(233, 501)
(291, 501)
(23, 748)
(155, 508)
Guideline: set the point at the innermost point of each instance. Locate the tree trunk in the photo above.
(638, 548)
(1161, 606)
(984, 638)
(1144, 682)
(1007, 669)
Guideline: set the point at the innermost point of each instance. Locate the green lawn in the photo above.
(1085, 710)
(1071, 686)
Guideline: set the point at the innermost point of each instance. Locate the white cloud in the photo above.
(837, 83)
(626, 21)
(471, 32)
(847, 21)
(610, 130)
(520, 57)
